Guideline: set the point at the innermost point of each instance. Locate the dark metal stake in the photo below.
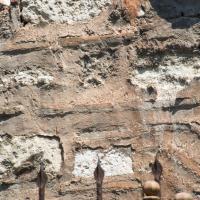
(157, 170)
(99, 176)
(41, 181)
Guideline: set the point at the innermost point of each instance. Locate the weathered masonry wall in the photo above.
(115, 80)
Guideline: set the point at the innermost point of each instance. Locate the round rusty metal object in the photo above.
(151, 188)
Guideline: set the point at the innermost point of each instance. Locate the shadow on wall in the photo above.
(181, 13)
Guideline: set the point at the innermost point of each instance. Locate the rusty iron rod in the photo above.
(157, 170)
(41, 181)
(99, 176)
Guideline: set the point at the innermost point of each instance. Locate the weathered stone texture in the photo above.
(5, 27)
(61, 11)
(19, 154)
(114, 162)
(171, 75)
(86, 79)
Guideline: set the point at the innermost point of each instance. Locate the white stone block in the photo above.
(19, 149)
(5, 2)
(114, 162)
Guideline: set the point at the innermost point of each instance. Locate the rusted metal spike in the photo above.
(157, 169)
(41, 181)
(99, 176)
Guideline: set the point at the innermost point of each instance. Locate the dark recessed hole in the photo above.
(182, 14)
(151, 90)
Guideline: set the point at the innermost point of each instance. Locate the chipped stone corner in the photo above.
(115, 162)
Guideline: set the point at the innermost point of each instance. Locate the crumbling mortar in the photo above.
(188, 125)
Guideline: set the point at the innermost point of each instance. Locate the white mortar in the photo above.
(23, 78)
(167, 77)
(114, 162)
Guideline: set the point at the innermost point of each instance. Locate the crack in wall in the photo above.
(176, 108)
(9, 113)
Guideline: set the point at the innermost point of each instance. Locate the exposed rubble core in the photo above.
(24, 78)
(168, 76)
(61, 11)
(5, 23)
(21, 153)
(97, 67)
